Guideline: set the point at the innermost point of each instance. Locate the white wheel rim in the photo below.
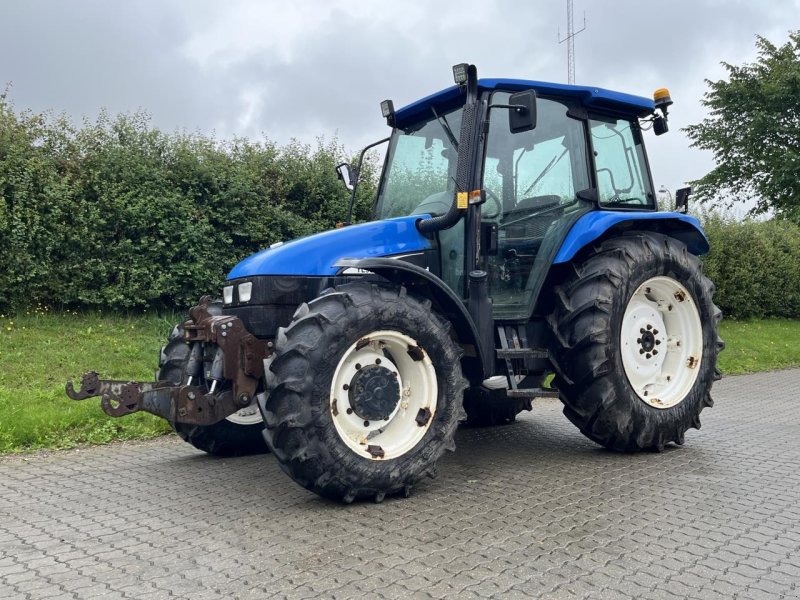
(249, 415)
(661, 341)
(411, 404)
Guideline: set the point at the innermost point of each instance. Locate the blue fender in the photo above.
(595, 224)
(451, 306)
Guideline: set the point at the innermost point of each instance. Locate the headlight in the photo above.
(227, 294)
(245, 291)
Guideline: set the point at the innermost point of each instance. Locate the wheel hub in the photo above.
(648, 340)
(374, 393)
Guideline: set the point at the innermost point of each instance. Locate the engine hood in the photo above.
(317, 254)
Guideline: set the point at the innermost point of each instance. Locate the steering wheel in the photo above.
(493, 197)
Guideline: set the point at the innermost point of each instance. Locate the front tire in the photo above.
(635, 342)
(368, 393)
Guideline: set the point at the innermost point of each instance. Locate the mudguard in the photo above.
(598, 223)
(412, 276)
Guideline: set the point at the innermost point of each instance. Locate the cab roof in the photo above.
(591, 97)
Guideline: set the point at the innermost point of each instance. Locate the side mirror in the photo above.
(522, 111)
(345, 172)
(682, 200)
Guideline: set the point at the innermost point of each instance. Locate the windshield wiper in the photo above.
(550, 165)
(446, 126)
(618, 200)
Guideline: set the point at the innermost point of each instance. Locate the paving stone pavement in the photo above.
(528, 510)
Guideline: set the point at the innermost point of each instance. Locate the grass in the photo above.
(766, 345)
(40, 351)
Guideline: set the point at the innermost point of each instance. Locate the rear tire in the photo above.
(635, 342)
(368, 393)
(238, 435)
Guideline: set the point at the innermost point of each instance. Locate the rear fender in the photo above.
(426, 285)
(602, 224)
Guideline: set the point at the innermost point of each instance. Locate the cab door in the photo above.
(532, 182)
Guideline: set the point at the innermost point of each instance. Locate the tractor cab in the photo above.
(584, 152)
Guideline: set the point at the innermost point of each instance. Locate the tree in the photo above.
(754, 132)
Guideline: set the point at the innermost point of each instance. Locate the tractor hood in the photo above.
(317, 254)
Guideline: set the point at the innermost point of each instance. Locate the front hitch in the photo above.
(178, 404)
(242, 365)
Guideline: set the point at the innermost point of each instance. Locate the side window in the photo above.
(621, 174)
(536, 168)
(545, 172)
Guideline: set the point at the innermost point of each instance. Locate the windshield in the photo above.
(420, 167)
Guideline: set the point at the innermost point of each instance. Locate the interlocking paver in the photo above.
(528, 510)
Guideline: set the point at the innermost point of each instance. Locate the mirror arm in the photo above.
(518, 107)
(357, 175)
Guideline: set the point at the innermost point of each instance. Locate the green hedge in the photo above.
(755, 266)
(116, 214)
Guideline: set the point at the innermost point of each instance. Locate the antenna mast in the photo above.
(570, 39)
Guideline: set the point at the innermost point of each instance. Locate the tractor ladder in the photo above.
(514, 350)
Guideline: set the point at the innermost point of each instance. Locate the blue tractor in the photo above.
(516, 235)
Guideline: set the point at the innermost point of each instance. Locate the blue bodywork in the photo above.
(594, 224)
(591, 97)
(317, 254)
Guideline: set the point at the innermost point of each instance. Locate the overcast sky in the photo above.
(305, 69)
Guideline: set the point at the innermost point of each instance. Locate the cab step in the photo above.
(532, 393)
(522, 353)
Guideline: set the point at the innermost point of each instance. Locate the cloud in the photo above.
(306, 69)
